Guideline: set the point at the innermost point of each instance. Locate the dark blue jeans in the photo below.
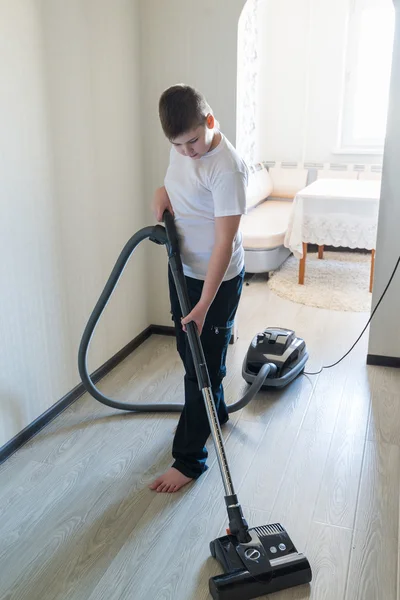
(193, 429)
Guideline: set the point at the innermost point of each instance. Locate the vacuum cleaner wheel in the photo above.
(212, 550)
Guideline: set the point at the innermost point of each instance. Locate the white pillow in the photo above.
(259, 188)
(369, 176)
(333, 174)
(287, 182)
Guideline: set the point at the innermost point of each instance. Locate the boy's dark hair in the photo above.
(182, 108)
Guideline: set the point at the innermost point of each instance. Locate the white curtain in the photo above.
(247, 81)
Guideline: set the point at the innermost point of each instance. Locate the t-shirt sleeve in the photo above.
(229, 194)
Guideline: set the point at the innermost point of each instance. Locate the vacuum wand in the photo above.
(237, 523)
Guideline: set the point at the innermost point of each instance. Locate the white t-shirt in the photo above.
(200, 190)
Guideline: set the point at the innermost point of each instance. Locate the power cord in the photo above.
(365, 328)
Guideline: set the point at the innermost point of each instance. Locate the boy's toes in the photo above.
(172, 481)
(156, 483)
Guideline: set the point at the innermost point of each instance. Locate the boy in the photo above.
(205, 189)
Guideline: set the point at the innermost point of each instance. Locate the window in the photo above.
(367, 76)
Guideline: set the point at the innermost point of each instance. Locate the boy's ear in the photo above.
(210, 121)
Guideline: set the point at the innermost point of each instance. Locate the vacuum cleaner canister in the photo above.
(267, 564)
(280, 347)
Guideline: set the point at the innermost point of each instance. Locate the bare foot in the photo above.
(172, 481)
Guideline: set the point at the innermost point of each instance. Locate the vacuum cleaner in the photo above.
(280, 347)
(258, 560)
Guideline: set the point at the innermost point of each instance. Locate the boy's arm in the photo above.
(225, 230)
(161, 203)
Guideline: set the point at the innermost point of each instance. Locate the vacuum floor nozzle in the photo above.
(267, 564)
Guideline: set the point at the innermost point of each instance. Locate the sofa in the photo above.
(270, 195)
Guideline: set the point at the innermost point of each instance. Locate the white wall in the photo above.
(385, 328)
(301, 58)
(195, 43)
(70, 192)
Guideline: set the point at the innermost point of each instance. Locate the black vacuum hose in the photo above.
(156, 234)
(161, 236)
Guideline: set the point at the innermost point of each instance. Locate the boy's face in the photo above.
(196, 142)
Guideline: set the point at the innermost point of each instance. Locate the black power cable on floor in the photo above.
(363, 331)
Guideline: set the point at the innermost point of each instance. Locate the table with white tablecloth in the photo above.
(334, 212)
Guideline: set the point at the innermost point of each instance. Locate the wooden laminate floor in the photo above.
(322, 457)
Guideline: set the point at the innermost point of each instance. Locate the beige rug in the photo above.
(338, 282)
